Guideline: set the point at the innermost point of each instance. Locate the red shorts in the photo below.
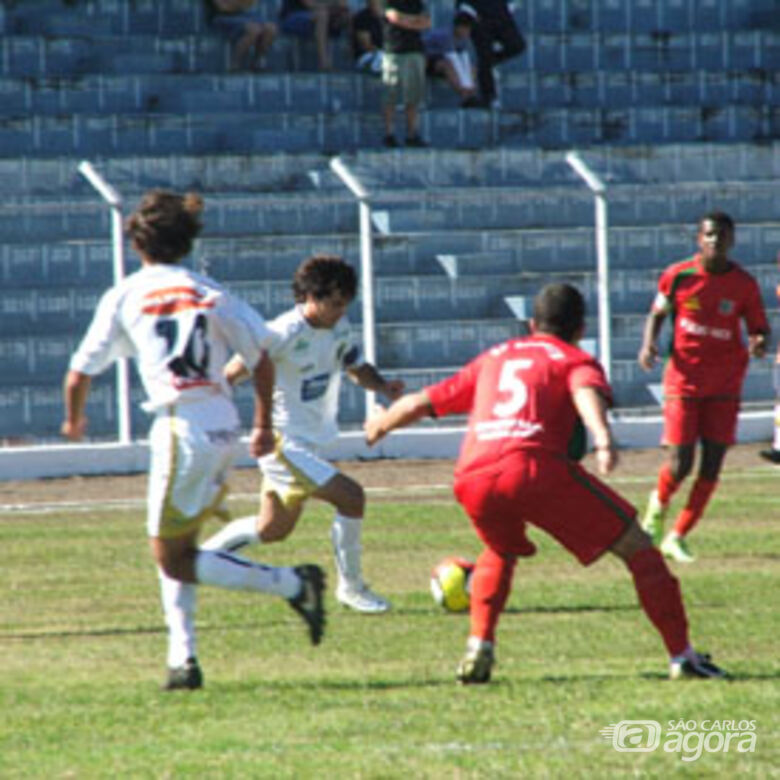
(551, 492)
(686, 420)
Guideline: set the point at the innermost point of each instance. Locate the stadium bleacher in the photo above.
(676, 103)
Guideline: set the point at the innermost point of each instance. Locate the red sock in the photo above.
(667, 484)
(490, 586)
(660, 597)
(700, 494)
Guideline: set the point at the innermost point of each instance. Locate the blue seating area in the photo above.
(675, 103)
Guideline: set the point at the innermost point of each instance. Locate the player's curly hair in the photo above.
(165, 224)
(559, 309)
(321, 275)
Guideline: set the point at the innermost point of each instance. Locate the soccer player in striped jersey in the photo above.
(310, 347)
(708, 298)
(182, 327)
(525, 399)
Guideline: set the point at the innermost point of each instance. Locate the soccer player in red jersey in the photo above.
(708, 297)
(525, 399)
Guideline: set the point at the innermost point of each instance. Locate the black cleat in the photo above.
(309, 602)
(700, 667)
(476, 666)
(184, 678)
(772, 455)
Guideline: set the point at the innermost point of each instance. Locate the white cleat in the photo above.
(362, 599)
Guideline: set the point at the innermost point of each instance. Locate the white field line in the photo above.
(50, 507)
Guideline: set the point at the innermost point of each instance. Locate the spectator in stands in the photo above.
(447, 56)
(367, 38)
(249, 33)
(496, 39)
(320, 19)
(403, 67)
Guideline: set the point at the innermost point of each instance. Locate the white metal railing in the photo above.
(366, 265)
(599, 190)
(114, 201)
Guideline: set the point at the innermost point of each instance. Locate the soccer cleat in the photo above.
(361, 599)
(676, 548)
(653, 521)
(476, 666)
(698, 667)
(188, 677)
(772, 455)
(309, 603)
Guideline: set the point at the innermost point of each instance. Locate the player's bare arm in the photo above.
(403, 412)
(235, 371)
(261, 439)
(648, 352)
(76, 392)
(368, 377)
(592, 408)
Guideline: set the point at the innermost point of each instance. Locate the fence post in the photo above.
(599, 190)
(366, 266)
(114, 201)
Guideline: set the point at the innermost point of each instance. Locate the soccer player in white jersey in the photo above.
(182, 327)
(312, 344)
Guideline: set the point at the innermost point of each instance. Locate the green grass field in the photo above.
(82, 654)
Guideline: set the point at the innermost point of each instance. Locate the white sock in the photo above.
(178, 602)
(475, 643)
(234, 535)
(225, 570)
(776, 441)
(345, 536)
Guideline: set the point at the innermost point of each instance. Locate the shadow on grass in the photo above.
(307, 684)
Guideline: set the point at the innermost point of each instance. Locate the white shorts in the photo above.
(294, 471)
(193, 447)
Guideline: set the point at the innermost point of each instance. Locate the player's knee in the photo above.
(353, 501)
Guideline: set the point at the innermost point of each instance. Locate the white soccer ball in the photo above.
(451, 583)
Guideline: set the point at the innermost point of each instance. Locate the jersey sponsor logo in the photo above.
(314, 387)
(726, 307)
(301, 345)
(171, 300)
(490, 430)
(697, 329)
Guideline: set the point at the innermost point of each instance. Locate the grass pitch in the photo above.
(82, 652)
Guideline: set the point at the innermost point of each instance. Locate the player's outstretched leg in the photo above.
(309, 601)
(352, 591)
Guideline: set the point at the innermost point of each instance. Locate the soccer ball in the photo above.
(451, 583)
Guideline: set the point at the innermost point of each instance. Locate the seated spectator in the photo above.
(447, 56)
(496, 39)
(320, 19)
(367, 38)
(403, 67)
(250, 35)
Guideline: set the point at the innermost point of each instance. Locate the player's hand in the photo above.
(648, 356)
(394, 389)
(372, 426)
(606, 459)
(261, 442)
(74, 430)
(757, 345)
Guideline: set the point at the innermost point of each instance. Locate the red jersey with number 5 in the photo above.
(708, 356)
(518, 396)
